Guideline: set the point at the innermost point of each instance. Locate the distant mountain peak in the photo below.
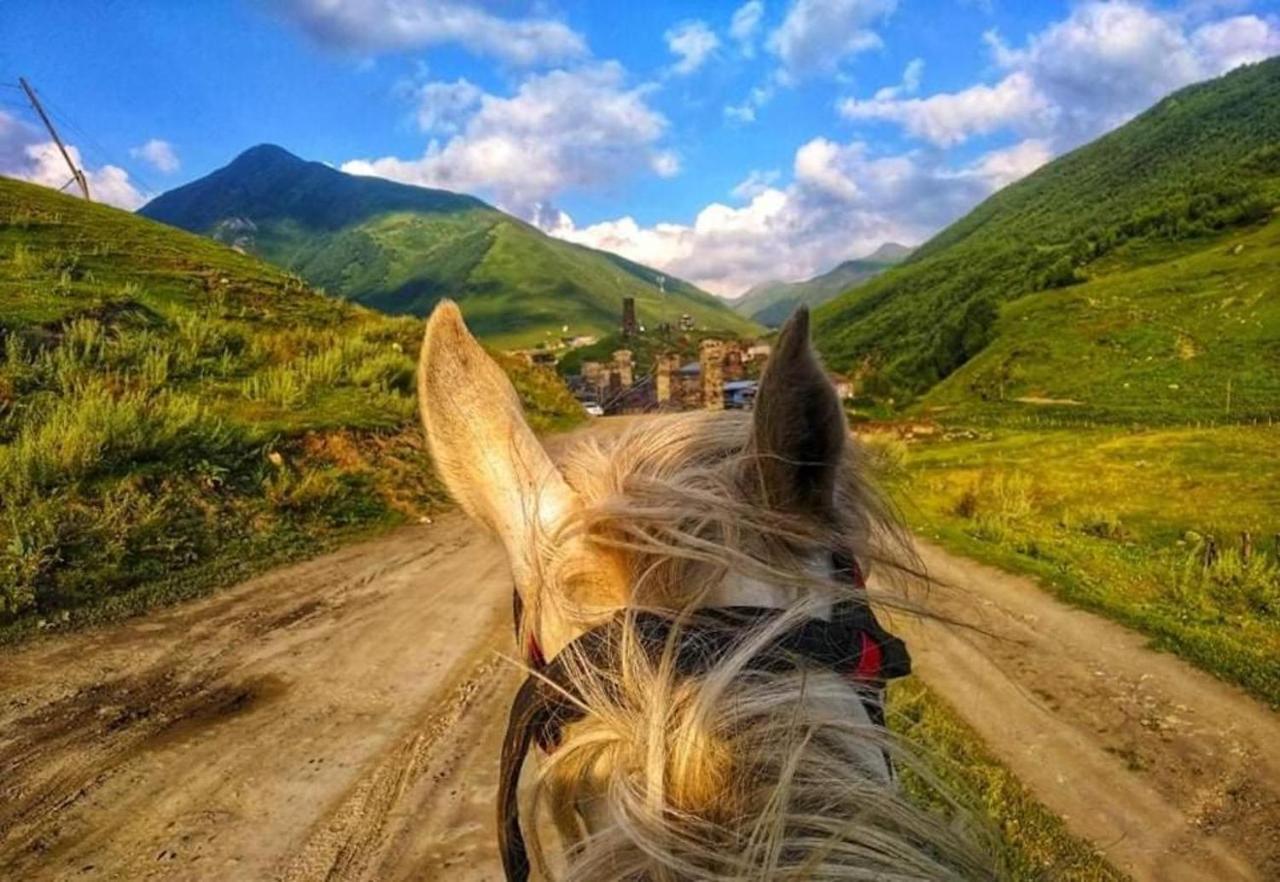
(265, 150)
(771, 302)
(890, 251)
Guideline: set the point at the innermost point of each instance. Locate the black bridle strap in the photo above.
(548, 701)
(515, 746)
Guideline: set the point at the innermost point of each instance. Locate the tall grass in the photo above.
(95, 430)
(1172, 532)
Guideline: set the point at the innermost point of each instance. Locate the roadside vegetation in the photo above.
(174, 415)
(1172, 531)
(1032, 842)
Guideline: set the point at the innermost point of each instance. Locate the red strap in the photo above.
(534, 652)
(869, 660)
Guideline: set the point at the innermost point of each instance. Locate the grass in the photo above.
(174, 415)
(1164, 334)
(1172, 531)
(1032, 842)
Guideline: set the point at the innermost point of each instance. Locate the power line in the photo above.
(93, 144)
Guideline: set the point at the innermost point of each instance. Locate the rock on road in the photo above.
(340, 719)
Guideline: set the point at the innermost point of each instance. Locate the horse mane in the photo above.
(737, 773)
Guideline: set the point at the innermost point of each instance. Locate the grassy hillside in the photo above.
(174, 414)
(1203, 161)
(1173, 531)
(402, 248)
(1166, 333)
(770, 303)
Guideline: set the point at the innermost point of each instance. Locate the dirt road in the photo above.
(340, 720)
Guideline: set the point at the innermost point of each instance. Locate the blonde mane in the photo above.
(732, 769)
(736, 774)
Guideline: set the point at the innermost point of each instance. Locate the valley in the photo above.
(249, 636)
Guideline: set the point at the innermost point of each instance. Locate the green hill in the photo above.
(770, 303)
(1173, 332)
(400, 249)
(174, 414)
(1202, 162)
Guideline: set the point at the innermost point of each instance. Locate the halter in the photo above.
(852, 644)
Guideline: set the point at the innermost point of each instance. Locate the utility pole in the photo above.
(44, 117)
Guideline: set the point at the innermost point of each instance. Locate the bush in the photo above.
(885, 454)
(96, 430)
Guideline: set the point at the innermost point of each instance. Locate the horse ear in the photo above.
(799, 429)
(485, 452)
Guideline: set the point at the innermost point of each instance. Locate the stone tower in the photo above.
(711, 361)
(624, 367)
(630, 327)
(667, 378)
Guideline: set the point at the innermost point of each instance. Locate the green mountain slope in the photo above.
(400, 249)
(1177, 332)
(173, 414)
(770, 303)
(1203, 161)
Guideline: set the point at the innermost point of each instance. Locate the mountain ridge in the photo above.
(771, 302)
(401, 248)
(1199, 163)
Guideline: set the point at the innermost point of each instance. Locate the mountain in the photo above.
(1200, 164)
(174, 414)
(400, 249)
(769, 303)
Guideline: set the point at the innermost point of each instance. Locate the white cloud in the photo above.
(755, 183)
(1236, 41)
(159, 154)
(561, 130)
(746, 111)
(842, 200)
(27, 156)
(912, 74)
(949, 118)
(396, 25)
(745, 26)
(816, 35)
(1003, 167)
(444, 107)
(692, 42)
(1080, 76)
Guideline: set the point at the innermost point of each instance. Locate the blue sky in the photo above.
(728, 143)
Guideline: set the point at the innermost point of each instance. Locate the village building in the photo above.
(844, 386)
(724, 375)
(630, 326)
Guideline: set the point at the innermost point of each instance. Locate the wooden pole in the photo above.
(44, 117)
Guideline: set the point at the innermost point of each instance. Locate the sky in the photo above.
(725, 143)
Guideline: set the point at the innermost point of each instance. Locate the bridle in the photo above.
(851, 643)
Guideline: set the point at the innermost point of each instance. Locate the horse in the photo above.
(681, 585)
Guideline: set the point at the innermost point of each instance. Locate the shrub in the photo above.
(95, 430)
(388, 371)
(885, 455)
(1228, 580)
